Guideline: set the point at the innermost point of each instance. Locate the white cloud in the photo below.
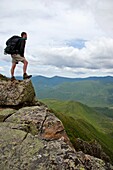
(103, 13)
(96, 53)
(50, 25)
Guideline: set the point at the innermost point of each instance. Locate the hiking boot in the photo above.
(25, 76)
(13, 78)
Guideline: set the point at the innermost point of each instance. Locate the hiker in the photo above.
(19, 56)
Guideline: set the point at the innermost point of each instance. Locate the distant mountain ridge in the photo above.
(58, 80)
(93, 91)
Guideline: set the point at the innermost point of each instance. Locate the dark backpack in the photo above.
(11, 45)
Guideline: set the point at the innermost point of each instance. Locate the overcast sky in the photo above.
(71, 38)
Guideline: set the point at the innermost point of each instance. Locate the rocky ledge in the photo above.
(32, 138)
(18, 92)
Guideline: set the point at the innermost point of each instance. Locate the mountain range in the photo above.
(93, 91)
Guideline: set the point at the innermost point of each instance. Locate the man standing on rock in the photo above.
(18, 56)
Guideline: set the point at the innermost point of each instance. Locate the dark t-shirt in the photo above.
(21, 46)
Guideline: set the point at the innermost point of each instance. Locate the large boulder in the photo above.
(13, 93)
(32, 138)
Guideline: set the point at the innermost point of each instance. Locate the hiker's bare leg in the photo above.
(13, 69)
(25, 66)
(25, 75)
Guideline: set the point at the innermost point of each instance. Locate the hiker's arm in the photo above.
(22, 47)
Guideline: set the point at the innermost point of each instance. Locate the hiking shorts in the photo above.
(16, 58)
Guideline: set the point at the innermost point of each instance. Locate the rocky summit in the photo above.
(13, 93)
(32, 138)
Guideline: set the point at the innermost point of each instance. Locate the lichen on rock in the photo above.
(13, 93)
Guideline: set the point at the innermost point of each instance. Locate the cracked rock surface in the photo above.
(16, 92)
(32, 138)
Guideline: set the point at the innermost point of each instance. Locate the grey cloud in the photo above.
(90, 57)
